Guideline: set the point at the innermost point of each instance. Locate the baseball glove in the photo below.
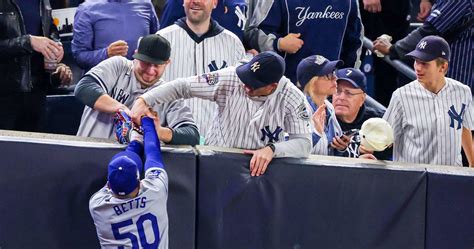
(124, 127)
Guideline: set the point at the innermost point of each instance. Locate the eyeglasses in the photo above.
(347, 92)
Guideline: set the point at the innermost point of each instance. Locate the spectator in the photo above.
(232, 15)
(431, 116)
(318, 81)
(351, 110)
(114, 85)
(125, 203)
(256, 108)
(297, 29)
(200, 45)
(106, 28)
(452, 20)
(385, 17)
(28, 38)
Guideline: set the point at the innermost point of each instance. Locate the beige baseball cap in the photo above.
(376, 134)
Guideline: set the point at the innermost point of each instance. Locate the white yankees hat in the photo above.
(376, 134)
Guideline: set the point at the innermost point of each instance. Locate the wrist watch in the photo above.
(272, 147)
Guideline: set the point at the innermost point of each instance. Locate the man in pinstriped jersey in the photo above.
(200, 45)
(257, 106)
(432, 116)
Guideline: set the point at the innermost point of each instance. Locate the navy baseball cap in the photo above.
(430, 48)
(154, 49)
(123, 175)
(264, 69)
(315, 65)
(354, 76)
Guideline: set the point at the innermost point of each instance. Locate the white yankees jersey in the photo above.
(140, 222)
(243, 121)
(192, 55)
(427, 127)
(116, 77)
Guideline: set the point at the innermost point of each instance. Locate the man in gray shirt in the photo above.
(115, 83)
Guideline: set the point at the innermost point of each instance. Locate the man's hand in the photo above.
(368, 156)
(319, 118)
(119, 47)
(340, 143)
(140, 109)
(291, 43)
(65, 74)
(372, 6)
(47, 47)
(425, 8)
(260, 160)
(165, 134)
(382, 45)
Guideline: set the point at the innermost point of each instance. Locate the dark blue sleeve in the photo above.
(137, 148)
(275, 23)
(172, 11)
(352, 42)
(152, 145)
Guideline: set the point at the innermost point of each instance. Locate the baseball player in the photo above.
(127, 212)
(114, 85)
(200, 45)
(433, 114)
(257, 106)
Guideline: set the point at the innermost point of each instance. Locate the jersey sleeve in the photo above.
(446, 15)
(352, 42)
(156, 178)
(394, 116)
(82, 45)
(297, 115)
(178, 114)
(468, 120)
(266, 25)
(107, 72)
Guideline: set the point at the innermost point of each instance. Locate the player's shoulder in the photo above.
(91, 4)
(156, 179)
(229, 35)
(100, 197)
(457, 84)
(167, 31)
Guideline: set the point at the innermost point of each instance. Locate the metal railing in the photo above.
(400, 66)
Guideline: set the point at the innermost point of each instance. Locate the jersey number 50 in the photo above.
(141, 231)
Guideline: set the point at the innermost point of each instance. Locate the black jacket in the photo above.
(15, 47)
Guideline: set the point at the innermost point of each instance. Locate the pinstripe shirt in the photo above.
(193, 55)
(427, 127)
(446, 16)
(243, 121)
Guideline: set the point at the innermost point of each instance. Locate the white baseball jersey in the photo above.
(243, 121)
(140, 222)
(116, 77)
(192, 55)
(427, 127)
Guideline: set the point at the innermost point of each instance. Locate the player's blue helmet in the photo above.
(123, 173)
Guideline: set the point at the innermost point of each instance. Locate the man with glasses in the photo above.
(115, 83)
(351, 110)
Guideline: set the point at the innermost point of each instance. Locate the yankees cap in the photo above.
(315, 65)
(123, 175)
(376, 134)
(430, 48)
(263, 69)
(154, 49)
(354, 76)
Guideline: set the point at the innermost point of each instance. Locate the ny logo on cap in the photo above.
(255, 66)
(319, 60)
(422, 45)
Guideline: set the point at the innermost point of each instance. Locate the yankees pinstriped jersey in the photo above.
(116, 77)
(427, 127)
(193, 55)
(140, 222)
(446, 17)
(243, 121)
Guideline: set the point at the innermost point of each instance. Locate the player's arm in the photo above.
(352, 42)
(152, 145)
(83, 40)
(394, 116)
(466, 140)
(90, 93)
(181, 122)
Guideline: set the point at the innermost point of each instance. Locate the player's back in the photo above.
(140, 222)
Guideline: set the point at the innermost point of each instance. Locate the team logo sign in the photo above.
(255, 66)
(302, 112)
(422, 45)
(455, 116)
(211, 78)
(272, 136)
(319, 60)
